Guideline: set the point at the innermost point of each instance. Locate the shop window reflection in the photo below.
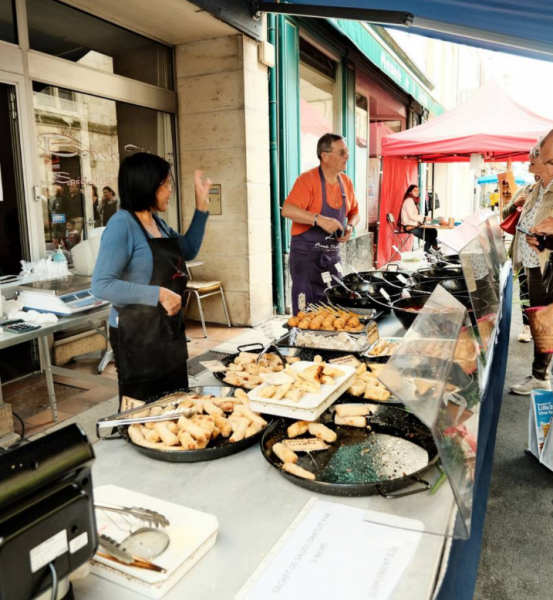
(7, 22)
(81, 140)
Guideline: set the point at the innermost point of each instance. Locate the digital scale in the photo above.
(63, 297)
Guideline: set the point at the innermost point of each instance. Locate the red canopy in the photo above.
(490, 122)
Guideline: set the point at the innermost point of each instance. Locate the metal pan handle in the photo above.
(391, 265)
(253, 346)
(425, 487)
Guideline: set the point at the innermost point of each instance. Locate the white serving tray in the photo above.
(311, 406)
(192, 534)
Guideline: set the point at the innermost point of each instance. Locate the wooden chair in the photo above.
(204, 289)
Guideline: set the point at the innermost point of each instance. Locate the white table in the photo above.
(91, 318)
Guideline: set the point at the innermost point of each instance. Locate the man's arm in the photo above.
(304, 217)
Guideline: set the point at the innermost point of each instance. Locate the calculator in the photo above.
(21, 327)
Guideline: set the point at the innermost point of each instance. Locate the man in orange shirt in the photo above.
(324, 212)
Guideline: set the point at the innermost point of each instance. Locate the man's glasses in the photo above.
(341, 153)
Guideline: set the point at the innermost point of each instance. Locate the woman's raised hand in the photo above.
(202, 185)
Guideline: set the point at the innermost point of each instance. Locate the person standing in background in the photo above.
(517, 201)
(95, 206)
(73, 205)
(109, 205)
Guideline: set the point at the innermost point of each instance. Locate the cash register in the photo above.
(63, 297)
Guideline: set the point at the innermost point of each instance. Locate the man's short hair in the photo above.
(325, 143)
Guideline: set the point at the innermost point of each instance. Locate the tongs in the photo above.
(147, 515)
(353, 294)
(119, 554)
(275, 350)
(118, 420)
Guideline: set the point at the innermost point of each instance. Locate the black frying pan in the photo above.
(353, 465)
(218, 448)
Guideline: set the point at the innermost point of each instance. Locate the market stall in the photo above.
(490, 123)
(338, 475)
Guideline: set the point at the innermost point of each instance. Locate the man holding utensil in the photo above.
(324, 211)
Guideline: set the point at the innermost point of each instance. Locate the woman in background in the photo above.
(411, 219)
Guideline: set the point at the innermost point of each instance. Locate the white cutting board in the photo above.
(310, 406)
(192, 534)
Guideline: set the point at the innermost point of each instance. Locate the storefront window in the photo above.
(362, 157)
(317, 105)
(68, 33)
(7, 22)
(81, 141)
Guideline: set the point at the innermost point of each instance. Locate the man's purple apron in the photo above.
(312, 256)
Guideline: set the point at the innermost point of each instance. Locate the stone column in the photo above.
(224, 130)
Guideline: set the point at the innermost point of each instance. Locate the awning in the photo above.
(490, 123)
(522, 28)
(493, 179)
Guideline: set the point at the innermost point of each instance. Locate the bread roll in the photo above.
(297, 428)
(350, 421)
(322, 432)
(352, 410)
(298, 471)
(285, 454)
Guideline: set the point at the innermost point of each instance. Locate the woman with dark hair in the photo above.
(140, 270)
(411, 220)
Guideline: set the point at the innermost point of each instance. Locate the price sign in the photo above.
(279, 378)
(402, 278)
(349, 360)
(130, 403)
(301, 301)
(372, 332)
(215, 366)
(327, 278)
(268, 330)
(339, 267)
(306, 445)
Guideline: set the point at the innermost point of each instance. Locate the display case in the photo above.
(435, 373)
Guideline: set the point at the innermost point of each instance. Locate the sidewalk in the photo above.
(518, 534)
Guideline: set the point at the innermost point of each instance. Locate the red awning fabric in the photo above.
(490, 123)
(399, 175)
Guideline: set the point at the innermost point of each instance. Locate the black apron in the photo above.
(312, 254)
(151, 350)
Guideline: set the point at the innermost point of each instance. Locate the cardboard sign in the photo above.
(306, 445)
(268, 330)
(215, 366)
(130, 403)
(372, 332)
(279, 378)
(326, 277)
(349, 359)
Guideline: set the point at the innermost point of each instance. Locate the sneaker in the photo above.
(525, 387)
(525, 335)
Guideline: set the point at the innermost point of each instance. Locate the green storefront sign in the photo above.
(377, 54)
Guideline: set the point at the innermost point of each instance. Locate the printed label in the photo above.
(301, 301)
(372, 332)
(48, 551)
(402, 278)
(349, 359)
(339, 267)
(79, 542)
(327, 278)
(279, 378)
(306, 445)
(215, 366)
(268, 330)
(130, 403)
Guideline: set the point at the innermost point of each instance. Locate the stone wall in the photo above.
(224, 131)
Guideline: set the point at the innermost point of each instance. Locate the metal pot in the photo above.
(455, 287)
(371, 296)
(438, 274)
